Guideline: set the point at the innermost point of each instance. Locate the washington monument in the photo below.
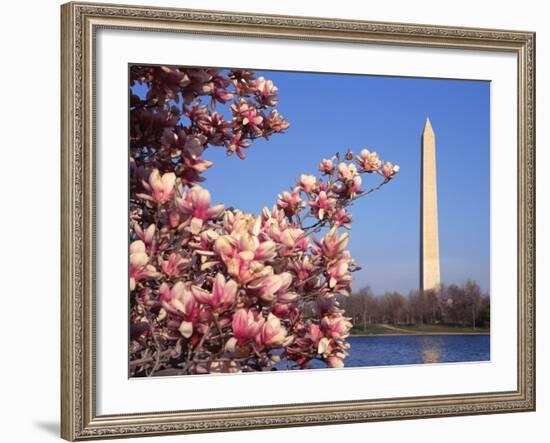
(429, 230)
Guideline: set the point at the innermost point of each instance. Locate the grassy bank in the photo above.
(383, 329)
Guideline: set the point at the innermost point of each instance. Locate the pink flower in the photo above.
(140, 268)
(326, 166)
(269, 285)
(265, 251)
(336, 326)
(293, 240)
(216, 129)
(246, 325)
(196, 112)
(266, 92)
(346, 171)
(196, 203)
(236, 144)
(247, 115)
(274, 122)
(368, 161)
(221, 297)
(342, 218)
(308, 183)
(148, 235)
(338, 274)
(244, 255)
(173, 266)
(303, 268)
(196, 165)
(160, 187)
(180, 142)
(225, 246)
(331, 245)
(389, 170)
(354, 186)
(220, 92)
(179, 301)
(290, 202)
(272, 333)
(315, 333)
(323, 206)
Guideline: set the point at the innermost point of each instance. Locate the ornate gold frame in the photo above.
(79, 420)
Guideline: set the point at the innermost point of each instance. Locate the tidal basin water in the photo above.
(415, 349)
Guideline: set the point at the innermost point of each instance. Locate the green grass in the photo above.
(378, 329)
(442, 328)
(370, 330)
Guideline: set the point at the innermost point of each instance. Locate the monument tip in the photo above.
(428, 126)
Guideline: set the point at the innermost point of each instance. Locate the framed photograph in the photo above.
(283, 221)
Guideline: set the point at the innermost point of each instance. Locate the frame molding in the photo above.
(79, 21)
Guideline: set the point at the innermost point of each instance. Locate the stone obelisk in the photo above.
(429, 231)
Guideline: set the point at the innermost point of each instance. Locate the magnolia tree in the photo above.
(215, 289)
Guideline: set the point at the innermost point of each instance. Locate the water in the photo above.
(414, 349)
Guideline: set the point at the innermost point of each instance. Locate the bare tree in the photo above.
(464, 305)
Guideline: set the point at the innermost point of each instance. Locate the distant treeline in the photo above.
(461, 305)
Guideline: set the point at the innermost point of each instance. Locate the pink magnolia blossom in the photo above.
(237, 143)
(266, 92)
(389, 170)
(140, 268)
(274, 123)
(222, 295)
(160, 187)
(180, 302)
(303, 268)
(268, 286)
(308, 183)
(368, 161)
(172, 267)
(346, 171)
(238, 256)
(196, 203)
(291, 202)
(332, 245)
(272, 333)
(323, 205)
(354, 185)
(326, 166)
(315, 333)
(246, 325)
(148, 235)
(215, 129)
(336, 327)
(220, 91)
(248, 115)
(338, 273)
(342, 218)
(244, 255)
(292, 240)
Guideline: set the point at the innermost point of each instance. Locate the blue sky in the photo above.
(334, 112)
